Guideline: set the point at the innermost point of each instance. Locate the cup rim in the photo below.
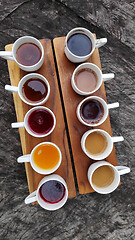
(52, 206)
(91, 38)
(103, 155)
(45, 171)
(86, 66)
(26, 78)
(101, 190)
(14, 53)
(26, 121)
(103, 103)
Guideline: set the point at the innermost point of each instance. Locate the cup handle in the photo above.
(118, 139)
(107, 76)
(17, 125)
(31, 198)
(100, 42)
(113, 105)
(25, 158)
(6, 55)
(122, 169)
(11, 88)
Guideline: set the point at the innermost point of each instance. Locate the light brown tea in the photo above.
(103, 176)
(28, 54)
(95, 143)
(86, 80)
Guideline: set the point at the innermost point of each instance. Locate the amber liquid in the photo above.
(34, 90)
(46, 156)
(86, 80)
(95, 143)
(28, 54)
(103, 176)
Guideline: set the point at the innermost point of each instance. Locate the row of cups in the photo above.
(44, 195)
(71, 38)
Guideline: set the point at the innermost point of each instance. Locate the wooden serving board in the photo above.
(71, 100)
(58, 136)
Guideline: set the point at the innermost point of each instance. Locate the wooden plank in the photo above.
(58, 136)
(76, 129)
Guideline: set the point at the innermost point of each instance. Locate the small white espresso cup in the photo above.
(96, 43)
(29, 158)
(109, 144)
(26, 125)
(35, 196)
(105, 106)
(19, 89)
(100, 77)
(12, 55)
(118, 170)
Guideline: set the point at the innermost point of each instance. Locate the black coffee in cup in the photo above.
(79, 44)
(91, 111)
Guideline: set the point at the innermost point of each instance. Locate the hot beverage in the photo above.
(40, 121)
(52, 191)
(92, 111)
(46, 156)
(86, 80)
(34, 90)
(95, 143)
(79, 44)
(28, 54)
(103, 176)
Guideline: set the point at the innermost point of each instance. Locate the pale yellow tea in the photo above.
(95, 143)
(103, 176)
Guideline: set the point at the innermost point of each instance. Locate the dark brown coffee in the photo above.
(28, 54)
(92, 111)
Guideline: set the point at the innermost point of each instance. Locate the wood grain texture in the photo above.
(76, 129)
(58, 136)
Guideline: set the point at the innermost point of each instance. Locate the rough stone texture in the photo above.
(91, 216)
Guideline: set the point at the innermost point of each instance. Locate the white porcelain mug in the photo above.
(117, 171)
(35, 196)
(19, 89)
(108, 141)
(96, 43)
(100, 77)
(12, 55)
(27, 127)
(104, 105)
(30, 158)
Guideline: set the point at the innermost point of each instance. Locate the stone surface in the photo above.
(90, 216)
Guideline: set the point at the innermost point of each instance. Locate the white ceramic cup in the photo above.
(35, 196)
(26, 125)
(12, 55)
(29, 158)
(100, 77)
(105, 106)
(118, 170)
(21, 84)
(96, 43)
(109, 147)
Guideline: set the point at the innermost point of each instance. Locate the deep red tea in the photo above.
(34, 90)
(40, 121)
(52, 191)
(28, 54)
